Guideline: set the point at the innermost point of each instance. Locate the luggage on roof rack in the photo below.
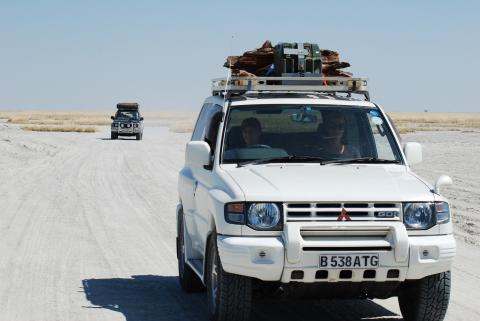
(288, 59)
(295, 59)
(326, 85)
(127, 106)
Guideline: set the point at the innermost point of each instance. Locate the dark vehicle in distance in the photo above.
(127, 121)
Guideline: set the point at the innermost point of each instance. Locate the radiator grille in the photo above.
(329, 211)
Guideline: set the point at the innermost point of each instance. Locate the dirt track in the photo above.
(87, 232)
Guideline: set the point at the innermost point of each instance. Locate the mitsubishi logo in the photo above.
(344, 215)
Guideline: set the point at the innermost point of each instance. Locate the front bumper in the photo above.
(275, 258)
(258, 257)
(121, 131)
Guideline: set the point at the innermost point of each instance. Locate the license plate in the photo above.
(350, 261)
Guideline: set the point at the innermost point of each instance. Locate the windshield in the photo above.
(257, 132)
(127, 114)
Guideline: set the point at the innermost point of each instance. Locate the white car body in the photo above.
(274, 255)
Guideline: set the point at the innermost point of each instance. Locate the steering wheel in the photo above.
(259, 146)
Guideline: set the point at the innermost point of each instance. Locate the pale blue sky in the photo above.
(88, 55)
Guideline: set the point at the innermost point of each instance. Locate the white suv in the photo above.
(308, 194)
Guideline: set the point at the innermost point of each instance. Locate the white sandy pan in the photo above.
(87, 229)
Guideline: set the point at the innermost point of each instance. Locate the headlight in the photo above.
(418, 215)
(114, 124)
(259, 216)
(423, 216)
(264, 216)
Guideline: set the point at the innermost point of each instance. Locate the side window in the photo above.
(382, 140)
(211, 134)
(199, 131)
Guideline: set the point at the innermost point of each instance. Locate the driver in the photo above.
(331, 136)
(251, 131)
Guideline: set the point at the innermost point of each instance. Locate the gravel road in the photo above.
(87, 232)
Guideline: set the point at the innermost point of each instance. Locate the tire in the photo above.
(113, 136)
(229, 296)
(139, 136)
(426, 299)
(189, 280)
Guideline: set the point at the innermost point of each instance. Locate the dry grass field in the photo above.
(81, 122)
(179, 122)
(183, 122)
(56, 118)
(60, 128)
(412, 122)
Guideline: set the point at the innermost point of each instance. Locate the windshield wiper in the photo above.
(367, 160)
(289, 158)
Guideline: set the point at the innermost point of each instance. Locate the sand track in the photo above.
(87, 232)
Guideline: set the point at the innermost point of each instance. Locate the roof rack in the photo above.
(329, 85)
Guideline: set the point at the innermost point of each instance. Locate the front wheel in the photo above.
(139, 136)
(113, 136)
(229, 296)
(426, 299)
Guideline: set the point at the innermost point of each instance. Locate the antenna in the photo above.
(229, 74)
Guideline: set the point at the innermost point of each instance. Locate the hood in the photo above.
(333, 182)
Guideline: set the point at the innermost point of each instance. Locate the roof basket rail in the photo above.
(326, 85)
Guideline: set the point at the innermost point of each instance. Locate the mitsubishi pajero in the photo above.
(300, 190)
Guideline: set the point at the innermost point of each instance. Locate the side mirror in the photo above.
(413, 152)
(111, 117)
(141, 118)
(441, 181)
(197, 154)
